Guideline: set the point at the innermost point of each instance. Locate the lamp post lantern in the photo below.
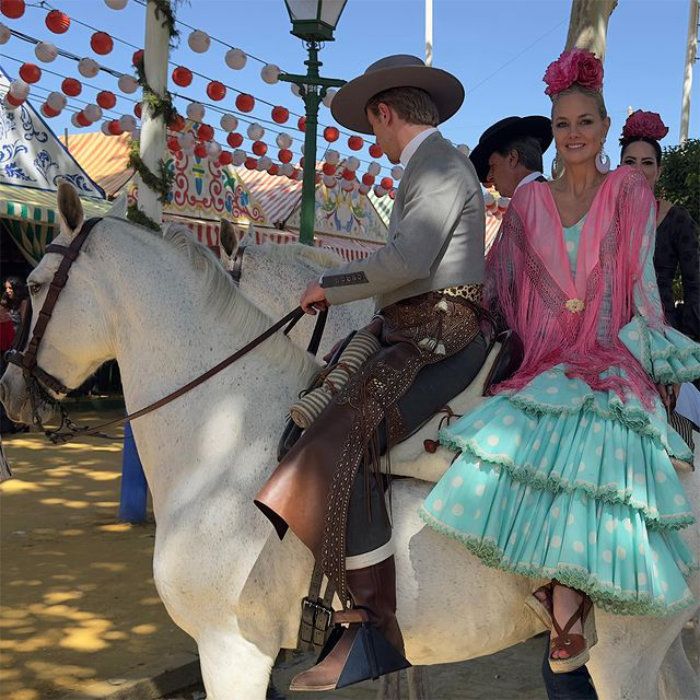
(314, 22)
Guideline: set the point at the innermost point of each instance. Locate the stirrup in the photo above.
(576, 645)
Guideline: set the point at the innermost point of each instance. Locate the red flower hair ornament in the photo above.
(641, 124)
(576, 66)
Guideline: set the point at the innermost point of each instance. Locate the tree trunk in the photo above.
(588, 25)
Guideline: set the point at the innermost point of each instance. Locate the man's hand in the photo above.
(669, 394)
(313, 299)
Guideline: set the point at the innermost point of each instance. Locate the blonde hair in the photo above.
(576, 88)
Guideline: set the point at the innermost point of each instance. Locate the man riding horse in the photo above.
(427, 283)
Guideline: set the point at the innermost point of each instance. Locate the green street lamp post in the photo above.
(313, 22)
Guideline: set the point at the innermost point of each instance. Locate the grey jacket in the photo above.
(436, 233)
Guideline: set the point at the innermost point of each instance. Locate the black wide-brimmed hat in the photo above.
(504, 131)
(348, 106)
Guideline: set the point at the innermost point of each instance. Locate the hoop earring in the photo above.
(557, 168)
(602, 161)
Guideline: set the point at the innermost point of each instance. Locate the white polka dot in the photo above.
(640, 478)
(556, 541)
(655, 556)
(477, 515)
(457, 509)
(584, 422)
(619, 454)
(554, 438)
(679, 500)
(532, 424)
(641, 548)
(610, 524)
(569, 246)
(607, 555)
(536, 445)
(508, 420)
(573, 400)
(526, 529)
(621, 553)
(628, 524)
(578, 546)
(517, 440)
(479, 490)
(437, 505)
(552, 390)
(660, 477)
(642, 579)
(633, 335)
(599, 450)
(592, 538)
(570, 520)
(493, 440)
(504, 503)
(581, 467)
(597, 427)
(664, 586)
(544, 463)
(555, 512)
(549, 427)
(551, 375)
(457, 482)
(479, 424)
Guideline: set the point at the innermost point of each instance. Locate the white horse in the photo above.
(166, 310)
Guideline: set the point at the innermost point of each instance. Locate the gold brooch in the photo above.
(574, 305)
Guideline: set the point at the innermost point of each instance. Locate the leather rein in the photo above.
(37, 380)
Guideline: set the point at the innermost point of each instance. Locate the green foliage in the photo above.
(680, 178)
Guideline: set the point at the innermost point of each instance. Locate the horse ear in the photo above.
(229, 241)
(70, 208)
(119, 207)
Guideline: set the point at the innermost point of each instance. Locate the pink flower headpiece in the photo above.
(576, 66)
(641, 124)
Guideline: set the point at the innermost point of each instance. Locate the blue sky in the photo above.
(499, 50)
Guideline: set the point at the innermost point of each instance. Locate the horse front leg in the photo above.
(677, 679)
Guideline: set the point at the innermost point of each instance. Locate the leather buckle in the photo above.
(315, 622)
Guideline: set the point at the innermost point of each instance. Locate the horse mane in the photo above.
(320, 258)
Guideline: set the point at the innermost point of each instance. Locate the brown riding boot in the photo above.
(371, 645)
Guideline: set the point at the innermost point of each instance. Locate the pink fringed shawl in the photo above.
(529, 280)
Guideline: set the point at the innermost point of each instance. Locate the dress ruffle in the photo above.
(667, 356)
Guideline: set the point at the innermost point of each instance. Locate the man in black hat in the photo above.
(427, 283)
(509, 153)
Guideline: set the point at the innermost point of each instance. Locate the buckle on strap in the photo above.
(315, 623)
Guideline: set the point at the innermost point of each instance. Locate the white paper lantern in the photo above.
(397, 172)
(19, 89)
(229, 122)
(379, 191)
(346, 185)
(56, 100)
(74, 121)
(287, 169)
(255, 131)
(329, 181)
(88, 68)
(265, 162)
(374, 168)
(199, 41)
(116, 4)
(93, 113)
(328, 99)
(186, 139)
(45, 52)
(463, 148)
(235, 58)
(352, 164)
(127, 122)
(283, 140)
(332, 156)
(363, 189)
(489, 199)
(296, 90)
(270, 73)
(195, 111)
(136, 134)
(188, 149)
(213, 150)
(127, 84)
(239, 157)
(5, 34)
(503, 202)
(104, 128)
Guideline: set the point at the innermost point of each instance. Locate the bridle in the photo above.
(37, 380)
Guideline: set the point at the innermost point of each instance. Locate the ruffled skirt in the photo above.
(560, 481)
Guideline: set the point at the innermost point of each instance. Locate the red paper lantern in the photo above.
(71, 87)
(387, 183)
(13, 100)
(173, 144)
(375, 150)
(260, 148)
(355, 143)
(280, 114)
(48, 112)
(348, 175)
(330, 133)
(285, 156)
(138, 110)
(234, 139)
(13, 9)
(301, 162)
(273, 169)
(101, 43)
(329, 169)
(368, 179)
(82, 119)
(301, 124)
(205, 132)
(216, 90)
(182, 76)
(114, 128)
(107, 100)
(245, 102)
(137, 57)
(30, 72)
(200, 150)
(57, 22)
(177, 123)
(392, 194)
(251, 163)
(226, 158)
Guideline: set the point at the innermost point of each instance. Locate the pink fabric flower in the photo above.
(574, 66)
(641, 124)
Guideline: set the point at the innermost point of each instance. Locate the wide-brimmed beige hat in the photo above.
(348, 106)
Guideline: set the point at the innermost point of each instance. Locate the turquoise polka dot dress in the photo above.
(557, 480)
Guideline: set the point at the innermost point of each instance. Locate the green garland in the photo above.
(164, 9)
(133, 213)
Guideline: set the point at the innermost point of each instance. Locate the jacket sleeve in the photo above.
(434, 199)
